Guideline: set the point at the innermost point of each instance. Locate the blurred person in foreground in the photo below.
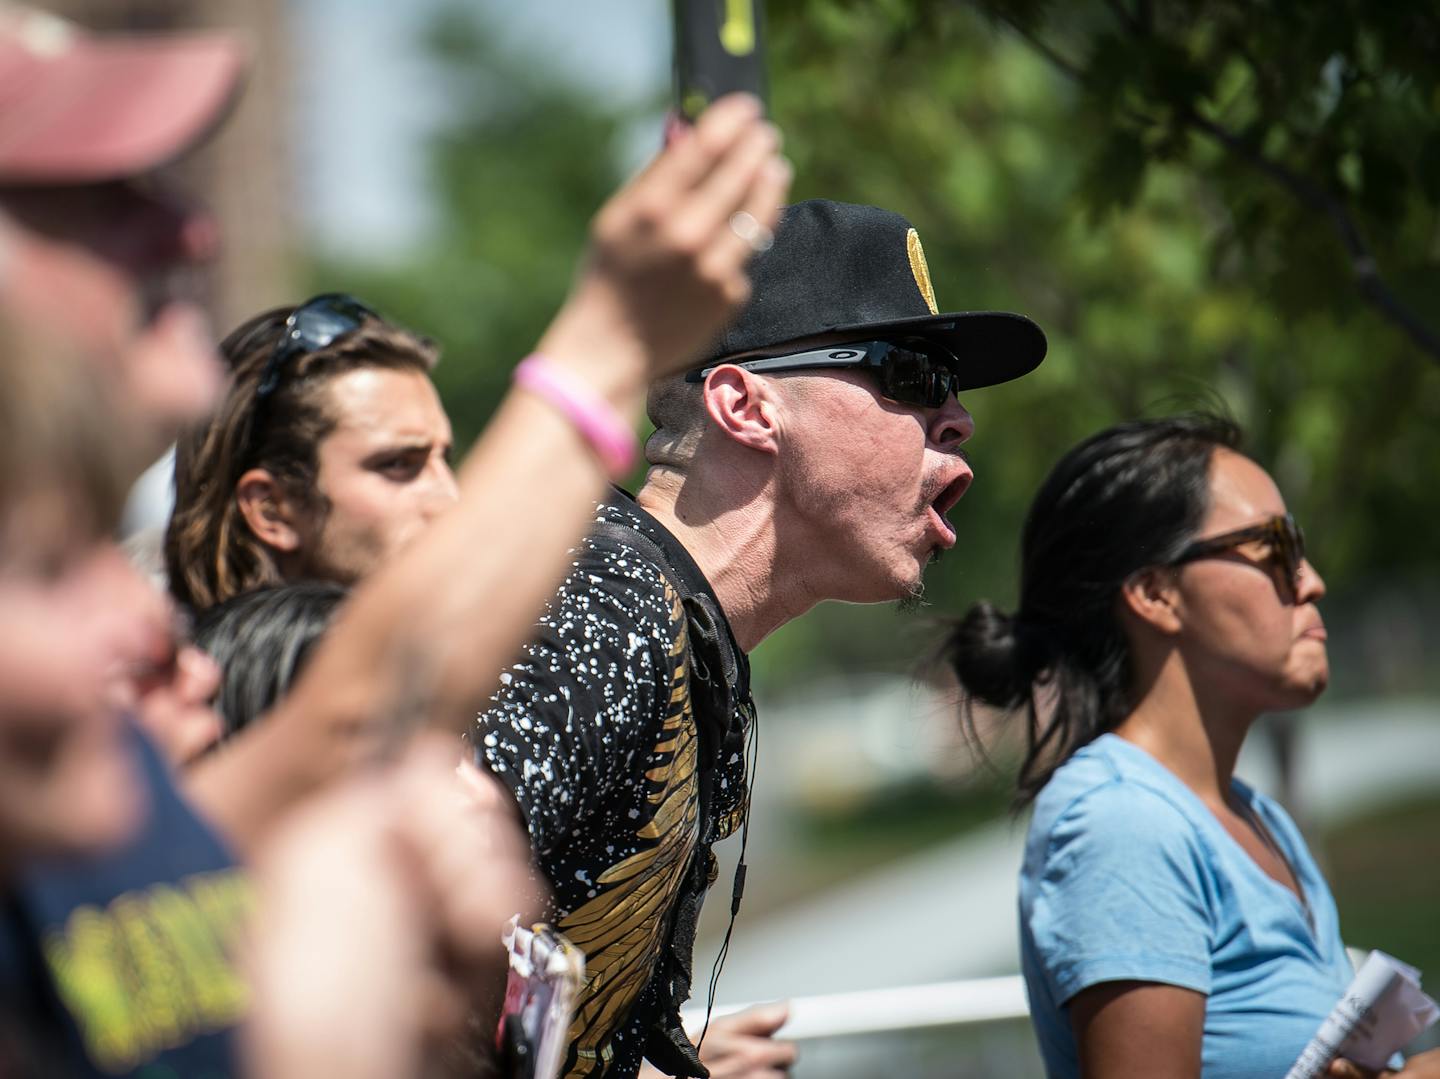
(397, 862)
(811, 453)
(101, 255)
(120, 906)
(115, 952)
(94, 245)
(170, 694)
(1173, 921)
(71, 615)
(143, 972)
(328, 454)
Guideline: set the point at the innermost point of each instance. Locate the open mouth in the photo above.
(945, 501)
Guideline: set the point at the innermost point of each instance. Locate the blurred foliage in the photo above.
(516, 174)
(1383, 869)
(903, 817)
(1057, 160)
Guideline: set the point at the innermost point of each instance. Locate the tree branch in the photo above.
(1314, 197)
(1368, 280)
(1067, 67)
(1124, 18)
(1145, 15)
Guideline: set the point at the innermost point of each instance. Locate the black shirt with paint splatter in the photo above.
(593, 732)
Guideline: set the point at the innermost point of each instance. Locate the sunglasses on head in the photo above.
(315, 324)
(1281, 534)
(912, 371)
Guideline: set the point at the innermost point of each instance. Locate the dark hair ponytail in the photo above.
(1129, 497)
(1000, 663)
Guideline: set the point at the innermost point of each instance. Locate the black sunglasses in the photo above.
(316, 323)
(912, 371)
(1281, 534)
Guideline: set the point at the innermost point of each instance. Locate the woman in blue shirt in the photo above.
(1173, 923)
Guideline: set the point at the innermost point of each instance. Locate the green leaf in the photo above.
(1114, 176)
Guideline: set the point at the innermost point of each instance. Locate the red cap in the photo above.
(77, 108)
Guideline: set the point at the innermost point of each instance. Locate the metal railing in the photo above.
(909, 1007)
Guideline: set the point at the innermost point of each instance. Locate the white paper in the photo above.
(1382, 1009)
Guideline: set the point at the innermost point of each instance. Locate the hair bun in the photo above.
(992, 655)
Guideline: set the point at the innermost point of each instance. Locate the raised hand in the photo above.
(666, 264)
(744, 1046)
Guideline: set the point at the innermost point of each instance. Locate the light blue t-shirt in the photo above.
(1128, 876)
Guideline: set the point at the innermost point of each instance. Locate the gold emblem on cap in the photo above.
(921, 270)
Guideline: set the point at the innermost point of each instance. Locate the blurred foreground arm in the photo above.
(428, 635)
(380, 910)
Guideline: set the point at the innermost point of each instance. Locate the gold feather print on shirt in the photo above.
(621, 930)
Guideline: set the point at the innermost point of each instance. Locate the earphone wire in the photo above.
(737, 890)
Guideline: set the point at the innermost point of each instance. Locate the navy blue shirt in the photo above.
(122, 963)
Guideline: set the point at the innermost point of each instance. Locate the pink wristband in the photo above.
(612, 439)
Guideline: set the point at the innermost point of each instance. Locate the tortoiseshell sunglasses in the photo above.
(1281, 534)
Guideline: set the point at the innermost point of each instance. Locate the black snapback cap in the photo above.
(839, 272)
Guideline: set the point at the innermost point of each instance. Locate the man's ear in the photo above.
(267, 511)
(742, 405)
(1150, 596)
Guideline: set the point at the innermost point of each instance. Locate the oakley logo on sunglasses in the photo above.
(913, 371)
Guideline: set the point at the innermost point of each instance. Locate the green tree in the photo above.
(1319, 126)
(517, 172)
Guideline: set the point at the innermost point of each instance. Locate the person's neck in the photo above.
(733, 541)
(1196, 737)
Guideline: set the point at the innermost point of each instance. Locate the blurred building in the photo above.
(244, 174)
